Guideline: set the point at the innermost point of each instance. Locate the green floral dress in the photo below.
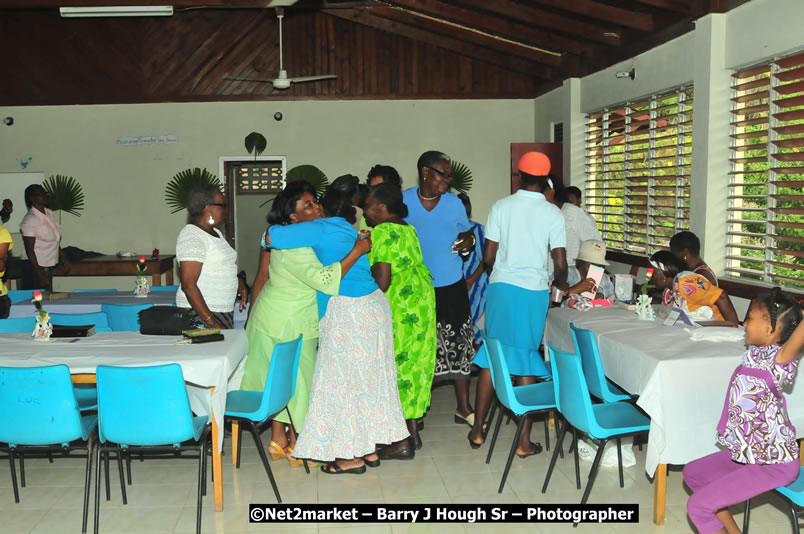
(412, 299)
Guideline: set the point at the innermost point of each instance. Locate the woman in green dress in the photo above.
(398, 267)
(284, 306)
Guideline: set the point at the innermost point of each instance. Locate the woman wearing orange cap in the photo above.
(444, 235)
(522, 231)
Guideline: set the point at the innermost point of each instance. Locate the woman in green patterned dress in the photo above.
(398, 267)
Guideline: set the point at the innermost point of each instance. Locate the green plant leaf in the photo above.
(310, 174)
(64, 194)
(257, 143)
(179, 187)
(461, 177)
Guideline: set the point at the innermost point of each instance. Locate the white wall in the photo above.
(124, 185)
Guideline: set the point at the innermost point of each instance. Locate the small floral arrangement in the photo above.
(141, 266)
(647, 285)
(37, 302)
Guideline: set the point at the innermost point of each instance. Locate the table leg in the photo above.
(235, 440)
(169, 276)
(216, 466)
(659, 494)
(156, 279)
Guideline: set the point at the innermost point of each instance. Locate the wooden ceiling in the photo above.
(377, 49)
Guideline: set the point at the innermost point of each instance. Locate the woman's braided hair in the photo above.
(783, 309)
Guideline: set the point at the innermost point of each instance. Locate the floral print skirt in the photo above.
(455, 332)
(354, 402)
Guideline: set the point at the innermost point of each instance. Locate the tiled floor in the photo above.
(446, 470)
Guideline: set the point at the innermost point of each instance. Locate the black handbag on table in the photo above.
(165, 320)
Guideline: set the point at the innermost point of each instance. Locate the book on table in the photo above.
(60, 330)
(203, 335)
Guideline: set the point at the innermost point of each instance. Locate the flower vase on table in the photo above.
(142, 287)
(43, 328)
(644, 310)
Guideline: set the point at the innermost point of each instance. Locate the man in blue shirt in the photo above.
(522, 230)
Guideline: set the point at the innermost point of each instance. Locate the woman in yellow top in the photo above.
(6, 244)
(684, 288)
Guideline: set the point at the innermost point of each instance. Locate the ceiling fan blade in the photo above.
(313, 78)
(233, 79)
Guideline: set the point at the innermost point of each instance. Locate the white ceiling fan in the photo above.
(282, 81)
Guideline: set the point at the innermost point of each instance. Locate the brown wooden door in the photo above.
(554, 151)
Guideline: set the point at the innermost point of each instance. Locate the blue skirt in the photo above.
(516, 317)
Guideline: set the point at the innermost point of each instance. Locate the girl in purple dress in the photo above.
(760, 450)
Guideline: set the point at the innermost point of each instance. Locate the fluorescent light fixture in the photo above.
(117, 11)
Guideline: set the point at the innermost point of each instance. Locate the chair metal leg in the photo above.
(97, 488)
(128, 466)
(558, 423)
(87, 481)
(794, 514)
(593, 472)
(511, 453)
(106, 474)
(264, 458)
(293, 427)
(487, 426)
(620, 461)
(559, 439)
(13, 475)
(546, 432)
(577, 459)
(494, 436)
(747, 514)
(120, 474)
(202, 455)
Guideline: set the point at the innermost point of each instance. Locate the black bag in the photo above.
(165, 320)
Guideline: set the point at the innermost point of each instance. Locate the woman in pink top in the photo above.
(41, 235)
(760, 449)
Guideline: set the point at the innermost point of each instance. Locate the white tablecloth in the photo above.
(681, 383)
(91, 303)
(206, 365)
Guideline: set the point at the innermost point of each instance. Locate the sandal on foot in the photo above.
(472, 443)
(278, 452)
(469, 419)
(335, 469)
(537, 448)
(294, 462)
(372, 463)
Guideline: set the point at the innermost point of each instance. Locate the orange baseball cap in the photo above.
(535, 164)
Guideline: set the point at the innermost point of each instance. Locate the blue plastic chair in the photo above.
(164, 288)
(599, 386)
(147, 408)
(521, 400)
(45, 417)
(94, 291)
(124, 317)
(98, 319)
(601, 422)
(793, 494)
(254, 407)
(17, 325)
(21, 295)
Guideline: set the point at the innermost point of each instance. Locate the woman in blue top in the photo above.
(354, 400)
(444, 234)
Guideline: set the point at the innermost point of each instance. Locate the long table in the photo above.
(681, 383)
(91, 303)
(209, 369)
(121, 266)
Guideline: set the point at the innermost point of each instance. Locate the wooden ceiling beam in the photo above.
(541, 18)
(488, 39)
(614, 15)
(499, 26)
(680, 6)
(447, 42)
(177, 4)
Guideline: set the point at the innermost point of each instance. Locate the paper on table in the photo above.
(596, 274)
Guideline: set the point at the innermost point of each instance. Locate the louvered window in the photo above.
(638, 163)
(766, 204)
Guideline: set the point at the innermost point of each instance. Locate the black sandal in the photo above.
(359, 470)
